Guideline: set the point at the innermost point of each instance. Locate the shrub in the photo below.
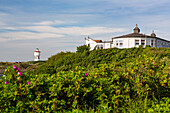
(138, 86)
(83, 48)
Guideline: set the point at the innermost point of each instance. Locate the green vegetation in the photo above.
(113, 80)
(82, 49)
(90, 60)
(24, 66)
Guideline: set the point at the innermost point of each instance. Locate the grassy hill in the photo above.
(89, 60)
(130, 80)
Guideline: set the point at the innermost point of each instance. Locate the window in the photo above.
(155, 43)
(117, 43)
(143, 42)
(151, 43)
(120, 43)
(136, 42)
(99, 46)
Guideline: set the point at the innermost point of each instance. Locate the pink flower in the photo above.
(153, 62)
(39, 80)
(145, 67)
(14, 67)
(86, 74)
(155, 66)
(29, 83)
(18, 69)
(6, 82)
(19, 73)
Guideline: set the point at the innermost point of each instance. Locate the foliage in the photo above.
(25, 66)
(127, 83)
(83, 48)
(89, 60)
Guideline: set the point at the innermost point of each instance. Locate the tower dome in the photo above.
(153, 34)
(136, 29)
(37, 55)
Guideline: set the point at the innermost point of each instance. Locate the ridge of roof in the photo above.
(132, 35)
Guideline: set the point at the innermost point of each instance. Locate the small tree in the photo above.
(83, 48)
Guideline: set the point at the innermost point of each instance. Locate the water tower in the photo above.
(37, 55)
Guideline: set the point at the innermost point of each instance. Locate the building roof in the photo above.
(140, 35)
(97, 41)
(134, 35)
(137, 33)
(36, 51)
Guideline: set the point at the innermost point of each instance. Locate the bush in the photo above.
(139, 86)
(83, 48)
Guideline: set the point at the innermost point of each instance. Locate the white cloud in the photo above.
(3, 40)
(42, 32)
(9, 28)
(55, 22)
(8, 36)
(74, 30)
(2, 24)
(88, 30)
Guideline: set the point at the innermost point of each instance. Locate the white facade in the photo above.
(128, 41)
(37, 55)
(97, 44)
(132, 42)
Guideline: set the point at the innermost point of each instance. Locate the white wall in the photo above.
(107, 45)
(130, 42)
(127, 43)
(91, 42)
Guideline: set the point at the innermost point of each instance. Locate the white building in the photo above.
(37, 55)
(128, 41)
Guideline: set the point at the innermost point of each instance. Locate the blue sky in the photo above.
(62, 25)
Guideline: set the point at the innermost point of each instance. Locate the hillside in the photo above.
(89, 60)
(131, 80)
